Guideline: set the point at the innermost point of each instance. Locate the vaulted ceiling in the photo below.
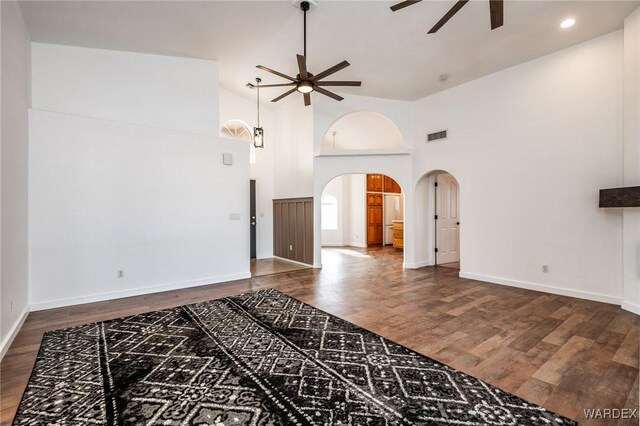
(390, 52)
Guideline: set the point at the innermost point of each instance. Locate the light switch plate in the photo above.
(234, 216)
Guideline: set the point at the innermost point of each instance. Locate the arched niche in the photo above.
(362, 130)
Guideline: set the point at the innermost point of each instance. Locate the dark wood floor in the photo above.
(562, 353)
(260, 267)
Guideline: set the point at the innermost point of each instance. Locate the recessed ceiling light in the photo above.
(567, 23)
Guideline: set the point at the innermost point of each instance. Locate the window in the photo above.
(329, 207)
(237, 129)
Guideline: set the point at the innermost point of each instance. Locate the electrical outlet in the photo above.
(290, 247)
(545, 269)
(120, 274)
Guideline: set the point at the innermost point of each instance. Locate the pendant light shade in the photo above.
(258, 137)
(258, 132)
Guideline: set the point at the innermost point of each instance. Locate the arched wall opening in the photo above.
(360, 212)
(362, 130)
(437, 220)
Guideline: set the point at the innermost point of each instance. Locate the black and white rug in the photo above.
(260, 358)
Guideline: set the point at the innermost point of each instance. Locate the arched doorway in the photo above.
(438, 221)
(362, 216)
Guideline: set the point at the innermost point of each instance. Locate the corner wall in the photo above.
(631, 216)
(530, 147)
(15, 65)
(235, 106)
(126, 174)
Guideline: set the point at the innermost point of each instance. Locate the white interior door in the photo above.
(447, 223)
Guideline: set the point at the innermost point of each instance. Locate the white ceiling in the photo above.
(390, 52)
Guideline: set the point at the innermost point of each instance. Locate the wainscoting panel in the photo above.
(293, 229)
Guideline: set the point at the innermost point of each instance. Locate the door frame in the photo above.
(253, 222)
(433, 197)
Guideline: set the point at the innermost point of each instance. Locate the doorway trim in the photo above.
(437, 187)
(425, 227)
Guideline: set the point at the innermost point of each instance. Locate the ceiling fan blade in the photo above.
(328, 93)
(302, 67)
(496, 8)
(263, 68)
(283, 95)
(331, 70)
(403, 4)
(456, 7)
(262, 86)
(339, 83)
(307, 99)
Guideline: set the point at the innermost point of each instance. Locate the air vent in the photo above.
(437, 135)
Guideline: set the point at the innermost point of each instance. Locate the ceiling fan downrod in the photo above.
(305, 8)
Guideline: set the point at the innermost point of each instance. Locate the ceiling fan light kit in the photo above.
(306, 82)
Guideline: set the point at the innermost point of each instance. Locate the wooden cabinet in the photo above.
(374, 219)
(377, 185)
(382, 183)
(293, 229)
(398, 234)
(374, 183)
(391, 185)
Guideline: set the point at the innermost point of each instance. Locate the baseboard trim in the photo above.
(14, 332)
(597, 297)
(416, 265)
(332, 245)
(100, 297)
(631, 307)
(292, 261)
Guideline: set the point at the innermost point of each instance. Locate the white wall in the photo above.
(152, 90)
(15, 64)
(235, 106)
(357, 211)
(530, 146)
(126, 193)
(293, 155)
(631, 216)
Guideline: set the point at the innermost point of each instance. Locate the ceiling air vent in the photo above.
(437, 135)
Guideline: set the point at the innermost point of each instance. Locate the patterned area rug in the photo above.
(260, 358)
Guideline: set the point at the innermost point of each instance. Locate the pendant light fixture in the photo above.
(258, 132)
